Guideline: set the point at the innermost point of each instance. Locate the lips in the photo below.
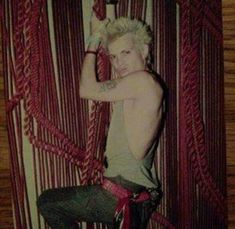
(122, 71)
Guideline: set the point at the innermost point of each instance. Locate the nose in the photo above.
(119, 61)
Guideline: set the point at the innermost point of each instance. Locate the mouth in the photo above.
(122, 71)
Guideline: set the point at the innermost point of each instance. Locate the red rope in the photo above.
(99, 8)
(194, 125)
(32, 103)
(93, 140)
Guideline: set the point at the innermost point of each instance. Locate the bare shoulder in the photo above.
(148, 83)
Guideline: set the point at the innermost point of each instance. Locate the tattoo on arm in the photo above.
(106, 86)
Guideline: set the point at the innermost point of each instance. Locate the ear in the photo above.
(145, 51)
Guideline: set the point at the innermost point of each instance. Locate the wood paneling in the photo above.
(6, 221)
(229, 65)
(229, 82)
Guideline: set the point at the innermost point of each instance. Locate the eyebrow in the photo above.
(125, 49)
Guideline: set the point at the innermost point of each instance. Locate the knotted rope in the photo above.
(194, 124)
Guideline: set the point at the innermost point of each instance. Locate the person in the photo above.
(136, 96)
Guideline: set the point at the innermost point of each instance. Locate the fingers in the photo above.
(102, 22)
(98, 26)
(106, 21)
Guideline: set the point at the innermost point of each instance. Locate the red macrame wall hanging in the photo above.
(57, 139)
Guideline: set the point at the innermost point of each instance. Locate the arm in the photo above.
(118, 89)
(132, 86)
(88, 74)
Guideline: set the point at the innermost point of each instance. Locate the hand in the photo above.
(97, 26)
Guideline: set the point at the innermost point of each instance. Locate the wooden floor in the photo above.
(229, 57)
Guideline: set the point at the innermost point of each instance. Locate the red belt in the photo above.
(125, 197)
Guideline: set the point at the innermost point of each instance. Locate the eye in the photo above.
(127, 52)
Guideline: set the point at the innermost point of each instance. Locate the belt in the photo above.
(125, 198)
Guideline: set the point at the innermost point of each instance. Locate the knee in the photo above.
(43, 201)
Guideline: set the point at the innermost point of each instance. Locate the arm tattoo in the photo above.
(106, 86)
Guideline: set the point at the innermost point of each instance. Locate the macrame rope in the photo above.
(32, 105)
(194, 128)
(99, 8)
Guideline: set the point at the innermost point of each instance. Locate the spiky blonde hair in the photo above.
(121, 26)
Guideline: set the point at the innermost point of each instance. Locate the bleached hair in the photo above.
(121, 26)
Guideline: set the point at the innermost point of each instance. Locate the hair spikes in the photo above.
(121, 26)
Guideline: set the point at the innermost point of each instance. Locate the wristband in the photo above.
(91, 52)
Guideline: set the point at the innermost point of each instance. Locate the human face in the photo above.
(125, 57)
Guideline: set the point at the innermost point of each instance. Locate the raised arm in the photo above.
(128, 62)
(132, 86)
(128, 87)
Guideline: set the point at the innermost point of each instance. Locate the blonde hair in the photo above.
(121, 26)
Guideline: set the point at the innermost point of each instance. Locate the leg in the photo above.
(140, 215)
(141, 212)
(62, 207)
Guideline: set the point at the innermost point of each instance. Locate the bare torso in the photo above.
(142, 117)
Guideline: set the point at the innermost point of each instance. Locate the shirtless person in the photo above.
(137, 102)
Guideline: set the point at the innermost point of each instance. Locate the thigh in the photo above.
(81, 203)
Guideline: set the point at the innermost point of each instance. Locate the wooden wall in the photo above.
(6, 221)
(229, 80)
